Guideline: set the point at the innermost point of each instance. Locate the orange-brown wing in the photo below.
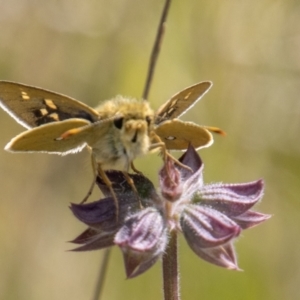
(32, 106)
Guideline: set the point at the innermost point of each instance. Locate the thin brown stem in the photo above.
(101, 276)
(156, 49)
(170, 269)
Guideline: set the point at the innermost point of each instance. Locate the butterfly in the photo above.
(116, 132)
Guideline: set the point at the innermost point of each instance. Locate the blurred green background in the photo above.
(93, 50)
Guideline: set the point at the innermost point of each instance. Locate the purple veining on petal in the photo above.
(250, 219)
(141, 231)
(231, 199)
(142, 240)
(222, 256)
(205, 228)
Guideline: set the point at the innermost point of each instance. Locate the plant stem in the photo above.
(151, 68)
(102, 273)
(170, 269)
(156, 49)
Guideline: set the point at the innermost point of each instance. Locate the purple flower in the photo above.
(209, 216)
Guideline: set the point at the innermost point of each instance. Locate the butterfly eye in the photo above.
(148, 120)
(119, 122)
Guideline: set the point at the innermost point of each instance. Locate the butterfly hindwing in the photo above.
(68, 136)
(45, 138)
(177, 135)
(96, 135)
(32, 106)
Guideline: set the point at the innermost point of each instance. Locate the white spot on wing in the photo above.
(170, 138)
(50, 104)
(54, 116)
(24, 95)
(43, 111)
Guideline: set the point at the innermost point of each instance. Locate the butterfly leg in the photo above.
(166, 154)
(94, 165)
(134, 168)
(109, 184)
(160, 144)
(97, 169)
(89, 191)
(132, 185)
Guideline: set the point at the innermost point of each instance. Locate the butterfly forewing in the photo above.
(181, 102)
(32, 106)
(177, 135)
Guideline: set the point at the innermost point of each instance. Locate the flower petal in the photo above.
(135, 266)
(222, 256)
(204, 227)
(99, 214)
(99, 241)
(85, 236)
(122, 188)
(191, 159)
(176, 181)
(141, 231)
(250, 219)
(170, 181)
(230, 199)
(142, 240)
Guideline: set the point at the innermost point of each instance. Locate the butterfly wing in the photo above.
(32, 106)
(45, 138)
(96, 135)
(64, 137)
(181, 102)
(177, 135)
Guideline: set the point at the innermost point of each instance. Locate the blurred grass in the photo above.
(94, 50)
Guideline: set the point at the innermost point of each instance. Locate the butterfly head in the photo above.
(134, 124)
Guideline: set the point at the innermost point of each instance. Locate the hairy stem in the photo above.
(170, 269)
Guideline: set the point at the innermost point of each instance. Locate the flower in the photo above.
(140, 233)
(210, 216)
